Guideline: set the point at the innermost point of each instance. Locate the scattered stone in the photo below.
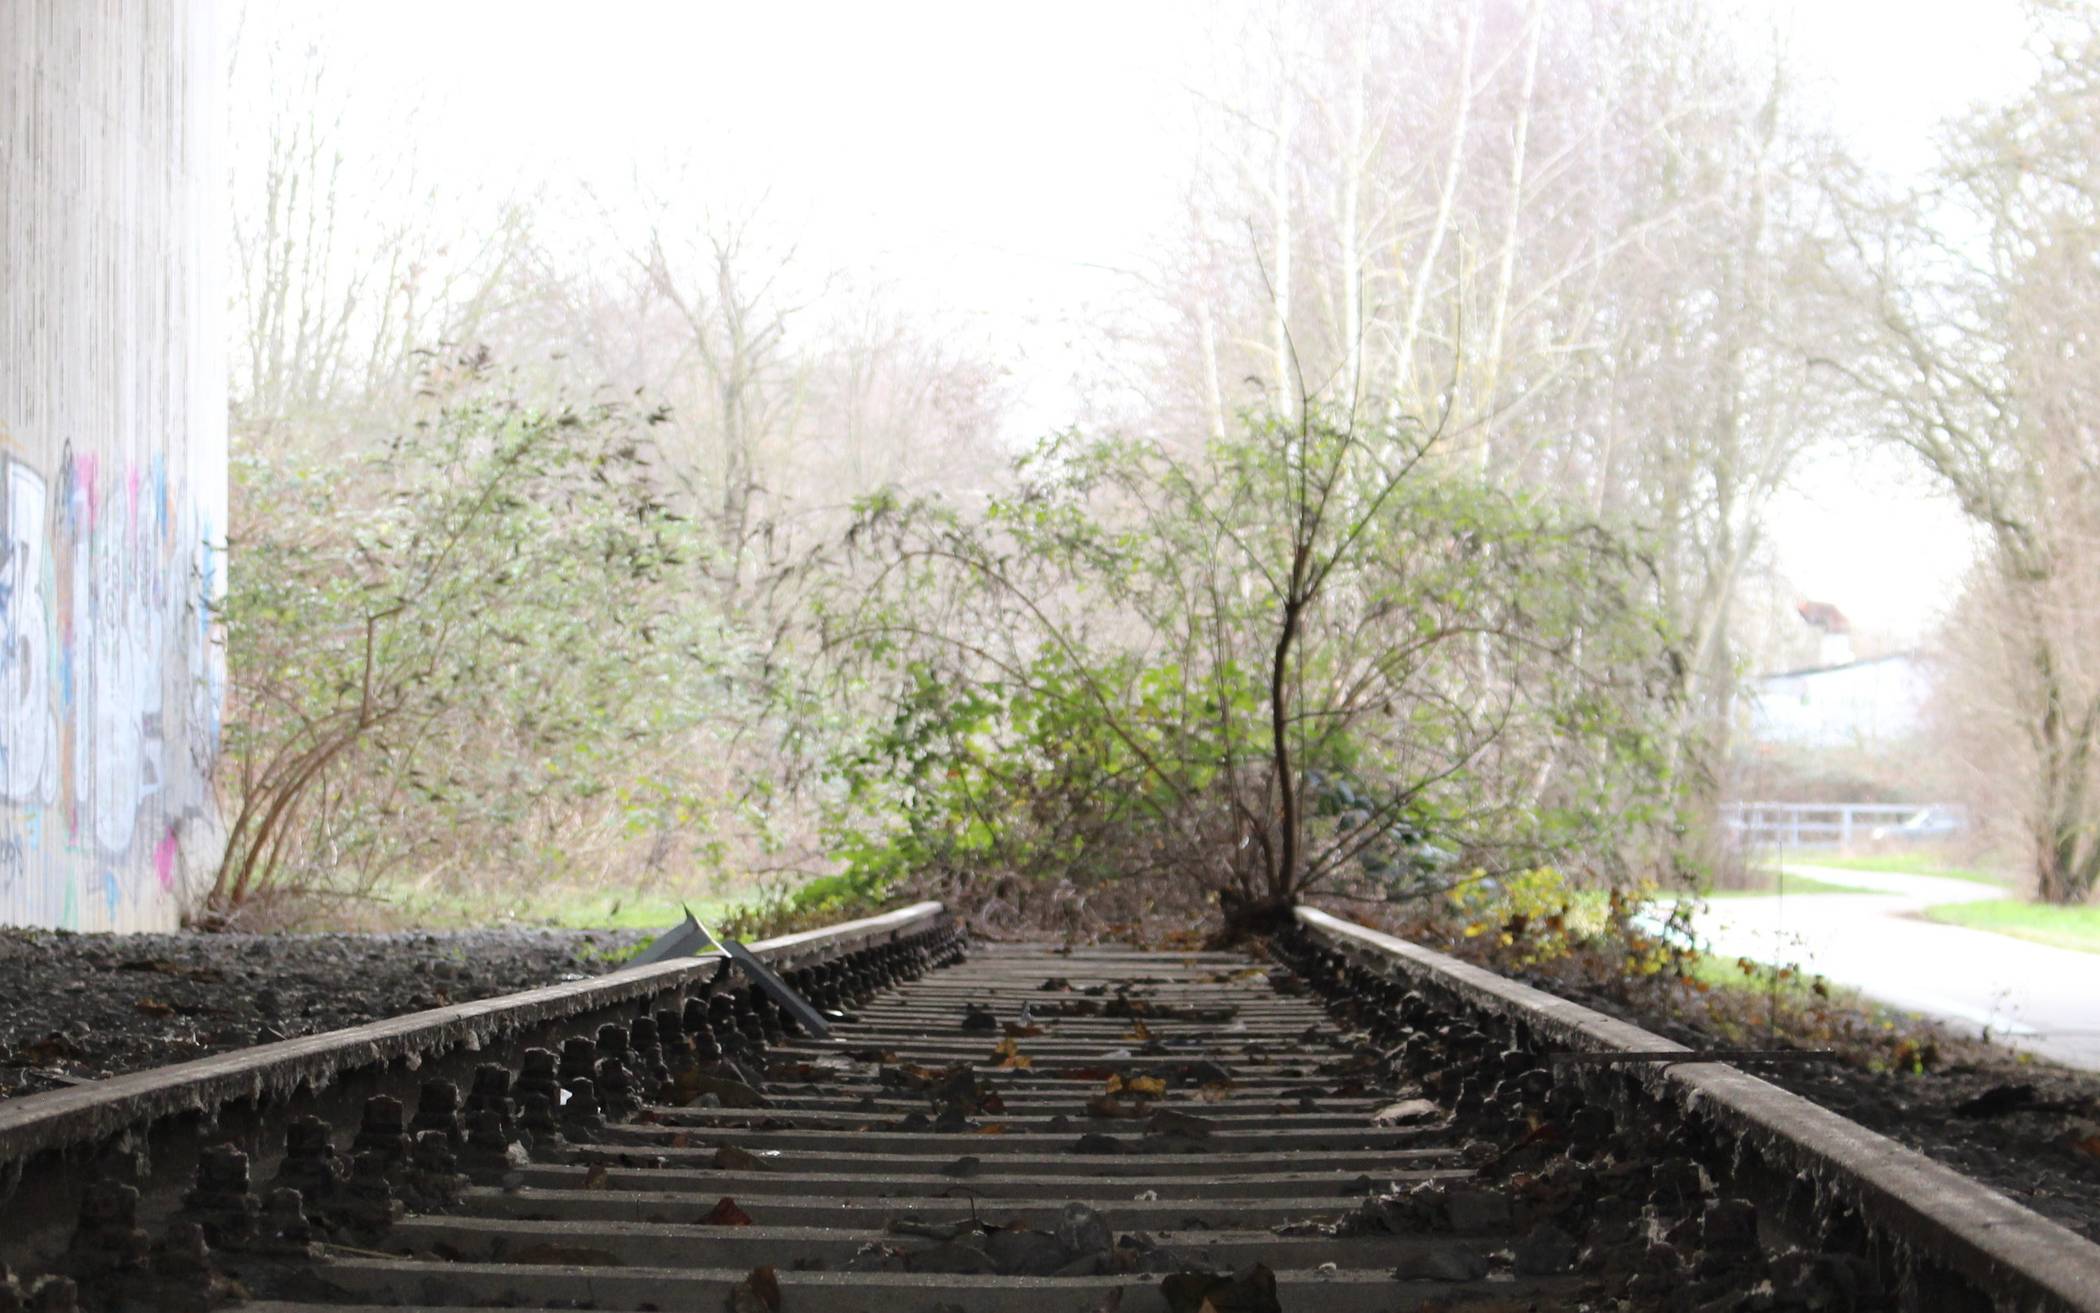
(1202, 1072)
(1021, 1252)
(1082, 1230)
(1547, 1251)
(53, 1294)
(1406, 1112)
(733, 1158)
(1729, 1226)
(1471, 1211)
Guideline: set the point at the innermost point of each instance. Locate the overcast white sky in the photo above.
(1001, 163)
(1870, 535)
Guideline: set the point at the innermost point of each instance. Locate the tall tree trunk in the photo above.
(1285, 388)
(1403, 388)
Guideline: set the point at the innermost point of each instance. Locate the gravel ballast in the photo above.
(85, 1006)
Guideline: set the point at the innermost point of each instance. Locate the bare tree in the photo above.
(341, 273)
(1565, 228)
(730, 289)
(1978, 300)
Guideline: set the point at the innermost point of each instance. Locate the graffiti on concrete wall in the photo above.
(112, 458)
(113, 647)
(29, 743)
(108, 687)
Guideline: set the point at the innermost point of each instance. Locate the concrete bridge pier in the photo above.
(112, 458)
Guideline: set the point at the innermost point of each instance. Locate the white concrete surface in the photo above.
(112, 459)
(2025, 994)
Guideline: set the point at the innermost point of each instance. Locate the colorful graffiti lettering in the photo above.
(105, 625)
(118, 624)
(28, 718)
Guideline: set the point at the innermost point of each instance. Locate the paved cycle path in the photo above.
(2028, 995)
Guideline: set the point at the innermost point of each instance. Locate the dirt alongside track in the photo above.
(80, 1007)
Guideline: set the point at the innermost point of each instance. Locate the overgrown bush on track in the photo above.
(1305, 660)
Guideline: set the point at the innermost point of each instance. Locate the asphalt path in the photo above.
(2028, 995)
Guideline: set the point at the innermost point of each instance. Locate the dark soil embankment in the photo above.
(79, 1007)
(2028, 1129)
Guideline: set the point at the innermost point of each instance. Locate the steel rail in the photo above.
(1247, 1118)
(2014, 1255)
(96, 1110)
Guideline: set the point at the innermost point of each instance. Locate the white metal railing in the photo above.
(1838, 824)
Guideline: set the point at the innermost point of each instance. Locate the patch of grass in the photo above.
(1792, 985)
(1769, 885)
(2042, 923)
(1910, 863)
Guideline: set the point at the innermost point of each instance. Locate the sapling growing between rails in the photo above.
(1307, 657)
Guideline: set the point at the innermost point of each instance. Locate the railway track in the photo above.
(1348, 1123)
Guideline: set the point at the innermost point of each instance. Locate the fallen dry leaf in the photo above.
(726, 1213)
(757, 1293)
(1010, 1056)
